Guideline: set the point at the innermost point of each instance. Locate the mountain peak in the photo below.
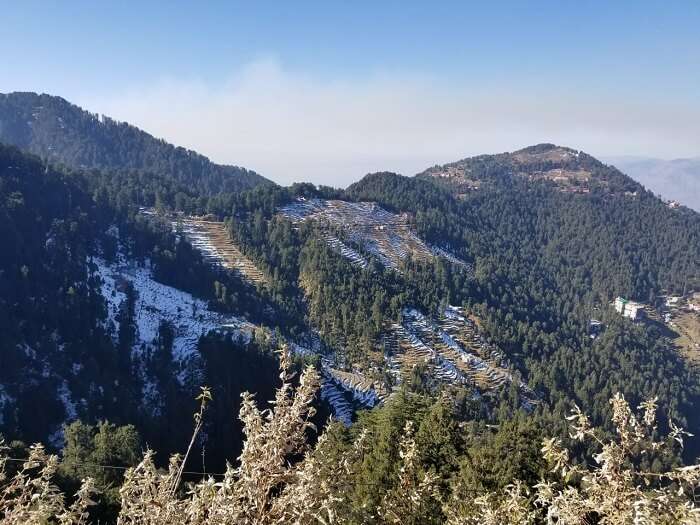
(568, 169)
(545, 152)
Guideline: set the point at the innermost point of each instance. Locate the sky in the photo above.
(329, 91)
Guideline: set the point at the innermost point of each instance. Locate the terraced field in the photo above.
(344, 390)
(213, 240)
(451, 346)
(453, 351)
(686, 324)
(363, 390)
(378, 232)
(353, 255)
(336, 397)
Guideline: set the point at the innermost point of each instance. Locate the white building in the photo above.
(628, 308)
(672, 300)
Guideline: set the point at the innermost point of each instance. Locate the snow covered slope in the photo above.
(155, 303)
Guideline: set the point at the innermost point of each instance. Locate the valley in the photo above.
(349, 263)
(479, 301)
(452, 347)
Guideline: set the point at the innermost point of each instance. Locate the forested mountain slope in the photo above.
(105, 315)
(48, 304)
(61, 132)
(459, 299)
(599, 221)
(548, 259)
(567, 169)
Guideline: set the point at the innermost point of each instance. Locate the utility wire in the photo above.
(117, 467)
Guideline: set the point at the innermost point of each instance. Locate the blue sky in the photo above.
(326, 91)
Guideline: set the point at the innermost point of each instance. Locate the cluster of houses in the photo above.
(630, 309)
(689, 302)
(667, 306)
(675, 304)
(595, 327)
(694, 304)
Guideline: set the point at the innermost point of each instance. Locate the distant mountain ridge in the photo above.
(574, 171)
(677, 179)
(58, 131)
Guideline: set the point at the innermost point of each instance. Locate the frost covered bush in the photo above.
(612, 489)
(31, 497)
(280, 479)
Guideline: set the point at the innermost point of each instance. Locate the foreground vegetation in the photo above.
(281, 478)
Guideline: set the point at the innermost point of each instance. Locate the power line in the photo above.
(118, 467)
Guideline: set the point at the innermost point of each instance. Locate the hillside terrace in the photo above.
(345, 389)
(336, 397)
(380, 233)
(452, 349)
(213, 240)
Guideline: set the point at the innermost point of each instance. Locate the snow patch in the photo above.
(63, 394)
(335, 397)
(156, 302)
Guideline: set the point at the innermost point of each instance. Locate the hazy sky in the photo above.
(329, 91)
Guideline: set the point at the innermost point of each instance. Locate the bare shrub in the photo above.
(252, 493)
(612, 490)
(30, 496)
(280, 479)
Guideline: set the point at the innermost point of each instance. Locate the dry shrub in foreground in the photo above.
(613, 491)
(31, 497)
(269, 487)
(251, 493)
